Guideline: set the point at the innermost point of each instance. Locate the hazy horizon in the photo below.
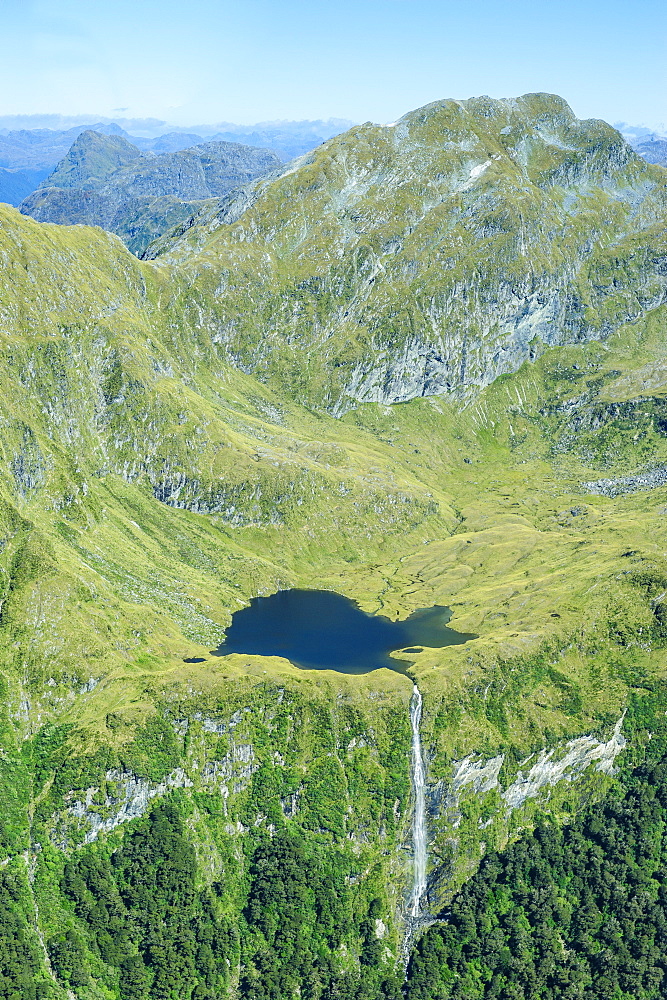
(148, 126)
(375, 60)
(154, 127)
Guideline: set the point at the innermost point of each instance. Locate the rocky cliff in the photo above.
(434, 254)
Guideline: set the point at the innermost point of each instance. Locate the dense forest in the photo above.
(563, 913)
(574, 912)
(141, 923)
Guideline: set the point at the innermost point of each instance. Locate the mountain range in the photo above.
(422, 365)
(648, 143)
(29, 154)
(106, 181)
(446, 253)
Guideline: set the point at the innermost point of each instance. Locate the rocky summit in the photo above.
(105, 180)
(422, 366)
(434, 254)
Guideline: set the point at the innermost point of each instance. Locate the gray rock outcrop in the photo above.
(106, 181)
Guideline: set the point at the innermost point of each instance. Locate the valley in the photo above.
(424, 366)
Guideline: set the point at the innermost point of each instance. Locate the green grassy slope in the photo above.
(157, 474)
(431, 255)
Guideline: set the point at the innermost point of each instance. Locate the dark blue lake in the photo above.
(321, 630)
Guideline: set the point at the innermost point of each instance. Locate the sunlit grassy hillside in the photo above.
(427, 365)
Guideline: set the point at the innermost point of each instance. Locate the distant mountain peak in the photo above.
(105, 180)
(92, 158)
(651, 144)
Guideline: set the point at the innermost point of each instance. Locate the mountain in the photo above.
(648, 143)
(287, 138)
(61, 123)
(42, 145)
(107, 181)
(92, 158)
(423, 366)
(28, 155)
(636, 133)
(172, 142)
(41, 149)
(432, 255)
(15, 185)
(654, 151)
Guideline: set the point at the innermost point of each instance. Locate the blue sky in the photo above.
(196, 61)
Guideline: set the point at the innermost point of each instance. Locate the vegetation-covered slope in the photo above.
(169, 451)
(563, 913)
(433, 254)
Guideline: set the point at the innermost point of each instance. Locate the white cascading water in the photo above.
(419, 817)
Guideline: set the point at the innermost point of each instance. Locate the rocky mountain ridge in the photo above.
(654, 151)
(651, 145)
(28, 154)
(449, 247)
(109, 182)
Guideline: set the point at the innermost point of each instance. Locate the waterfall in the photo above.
(419, 817)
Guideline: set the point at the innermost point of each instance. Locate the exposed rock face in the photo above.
(152, 484)
(654, 151)
(435, 254)
(108, 182)
(478, 777)
(649, 480)
(481, 775)
(547, 771)
(476, 806)
(130, 799)
(130, 796)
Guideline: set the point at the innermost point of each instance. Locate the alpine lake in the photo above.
(322, 630)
